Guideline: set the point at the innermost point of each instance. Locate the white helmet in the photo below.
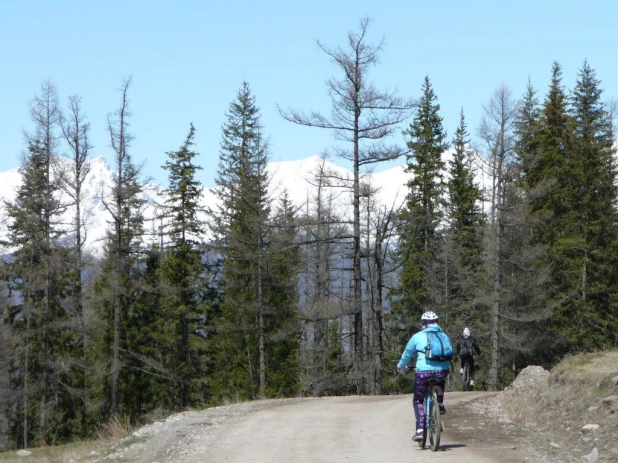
(466, 332)
(429, 317)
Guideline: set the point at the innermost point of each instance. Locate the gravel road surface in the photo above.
(324, 430)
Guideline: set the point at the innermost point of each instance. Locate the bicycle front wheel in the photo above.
(435, 427)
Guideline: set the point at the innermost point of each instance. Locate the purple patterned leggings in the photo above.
(420, 386)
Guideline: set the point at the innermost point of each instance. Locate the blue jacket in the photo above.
(417, 345)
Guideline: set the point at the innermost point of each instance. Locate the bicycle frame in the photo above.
(432, 426)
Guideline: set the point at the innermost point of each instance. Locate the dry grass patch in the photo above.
(113, 430)
(553, 413)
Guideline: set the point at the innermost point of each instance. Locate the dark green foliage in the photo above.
(583, 256)
(240, 228)
(184, 283)
(464, 237)
(120, 286)
(281, 296)
(527, 133)
(184, 193)
(44, 349)
(257, 312)
(133, 319)
(546, 177)
(424, 208)
(188, 322)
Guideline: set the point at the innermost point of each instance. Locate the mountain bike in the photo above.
(432, 427)
(465, 376)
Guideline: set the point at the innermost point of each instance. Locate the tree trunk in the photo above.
(261, 328)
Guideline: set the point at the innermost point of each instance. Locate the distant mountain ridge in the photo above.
(293, 176)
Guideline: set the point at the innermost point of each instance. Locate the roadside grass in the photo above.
(76, 451)
(554, 415)
(117, 429)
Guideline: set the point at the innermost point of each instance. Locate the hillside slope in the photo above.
(571, 413)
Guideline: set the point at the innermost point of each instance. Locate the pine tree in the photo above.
(184, 279)
(281, 296)
(424, 207)
(546, 178)
(240, 225)
(40, 321)
(523, 259)
(464, 234)
(542, 149)
(527, 133)
(584, 267)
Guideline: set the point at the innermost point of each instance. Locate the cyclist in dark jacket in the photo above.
(466, 346)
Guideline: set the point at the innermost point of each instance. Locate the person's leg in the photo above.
(462, 360)
(442, 375)
(420, 386)
(471, 367)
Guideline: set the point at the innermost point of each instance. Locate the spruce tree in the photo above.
(464, 235)
(240, 226)
(423, 210)
(281, 296)
(527, 133)
(585, 264)
(546, 178)
(525, 273)
(40, 322)
(184, 279)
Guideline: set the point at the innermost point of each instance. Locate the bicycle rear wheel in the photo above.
(466, 376)
(435, 427)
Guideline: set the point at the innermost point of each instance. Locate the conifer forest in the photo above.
(255, 296)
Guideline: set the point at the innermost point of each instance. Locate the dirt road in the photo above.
(335, 429)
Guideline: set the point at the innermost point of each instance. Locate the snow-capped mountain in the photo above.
(295, 177)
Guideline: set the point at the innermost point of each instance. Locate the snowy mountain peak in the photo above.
(298, 178)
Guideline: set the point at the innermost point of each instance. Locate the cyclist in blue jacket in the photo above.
(425, 369)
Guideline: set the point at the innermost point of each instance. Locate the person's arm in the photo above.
(408, 354)
(476, 347)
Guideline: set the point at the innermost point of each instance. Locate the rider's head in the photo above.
(466, 332)
(428, 318)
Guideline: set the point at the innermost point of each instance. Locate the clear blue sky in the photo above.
(188, 59)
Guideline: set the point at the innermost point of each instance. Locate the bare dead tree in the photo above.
(496, 131)
(325, 235)
(45, 112)
(365, 117)
(75, 130)
(380, 229)
(127, 223)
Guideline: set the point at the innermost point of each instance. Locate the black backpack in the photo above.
(466, 346)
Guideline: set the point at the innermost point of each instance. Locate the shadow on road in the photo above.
(451, 446)
(444, 448)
